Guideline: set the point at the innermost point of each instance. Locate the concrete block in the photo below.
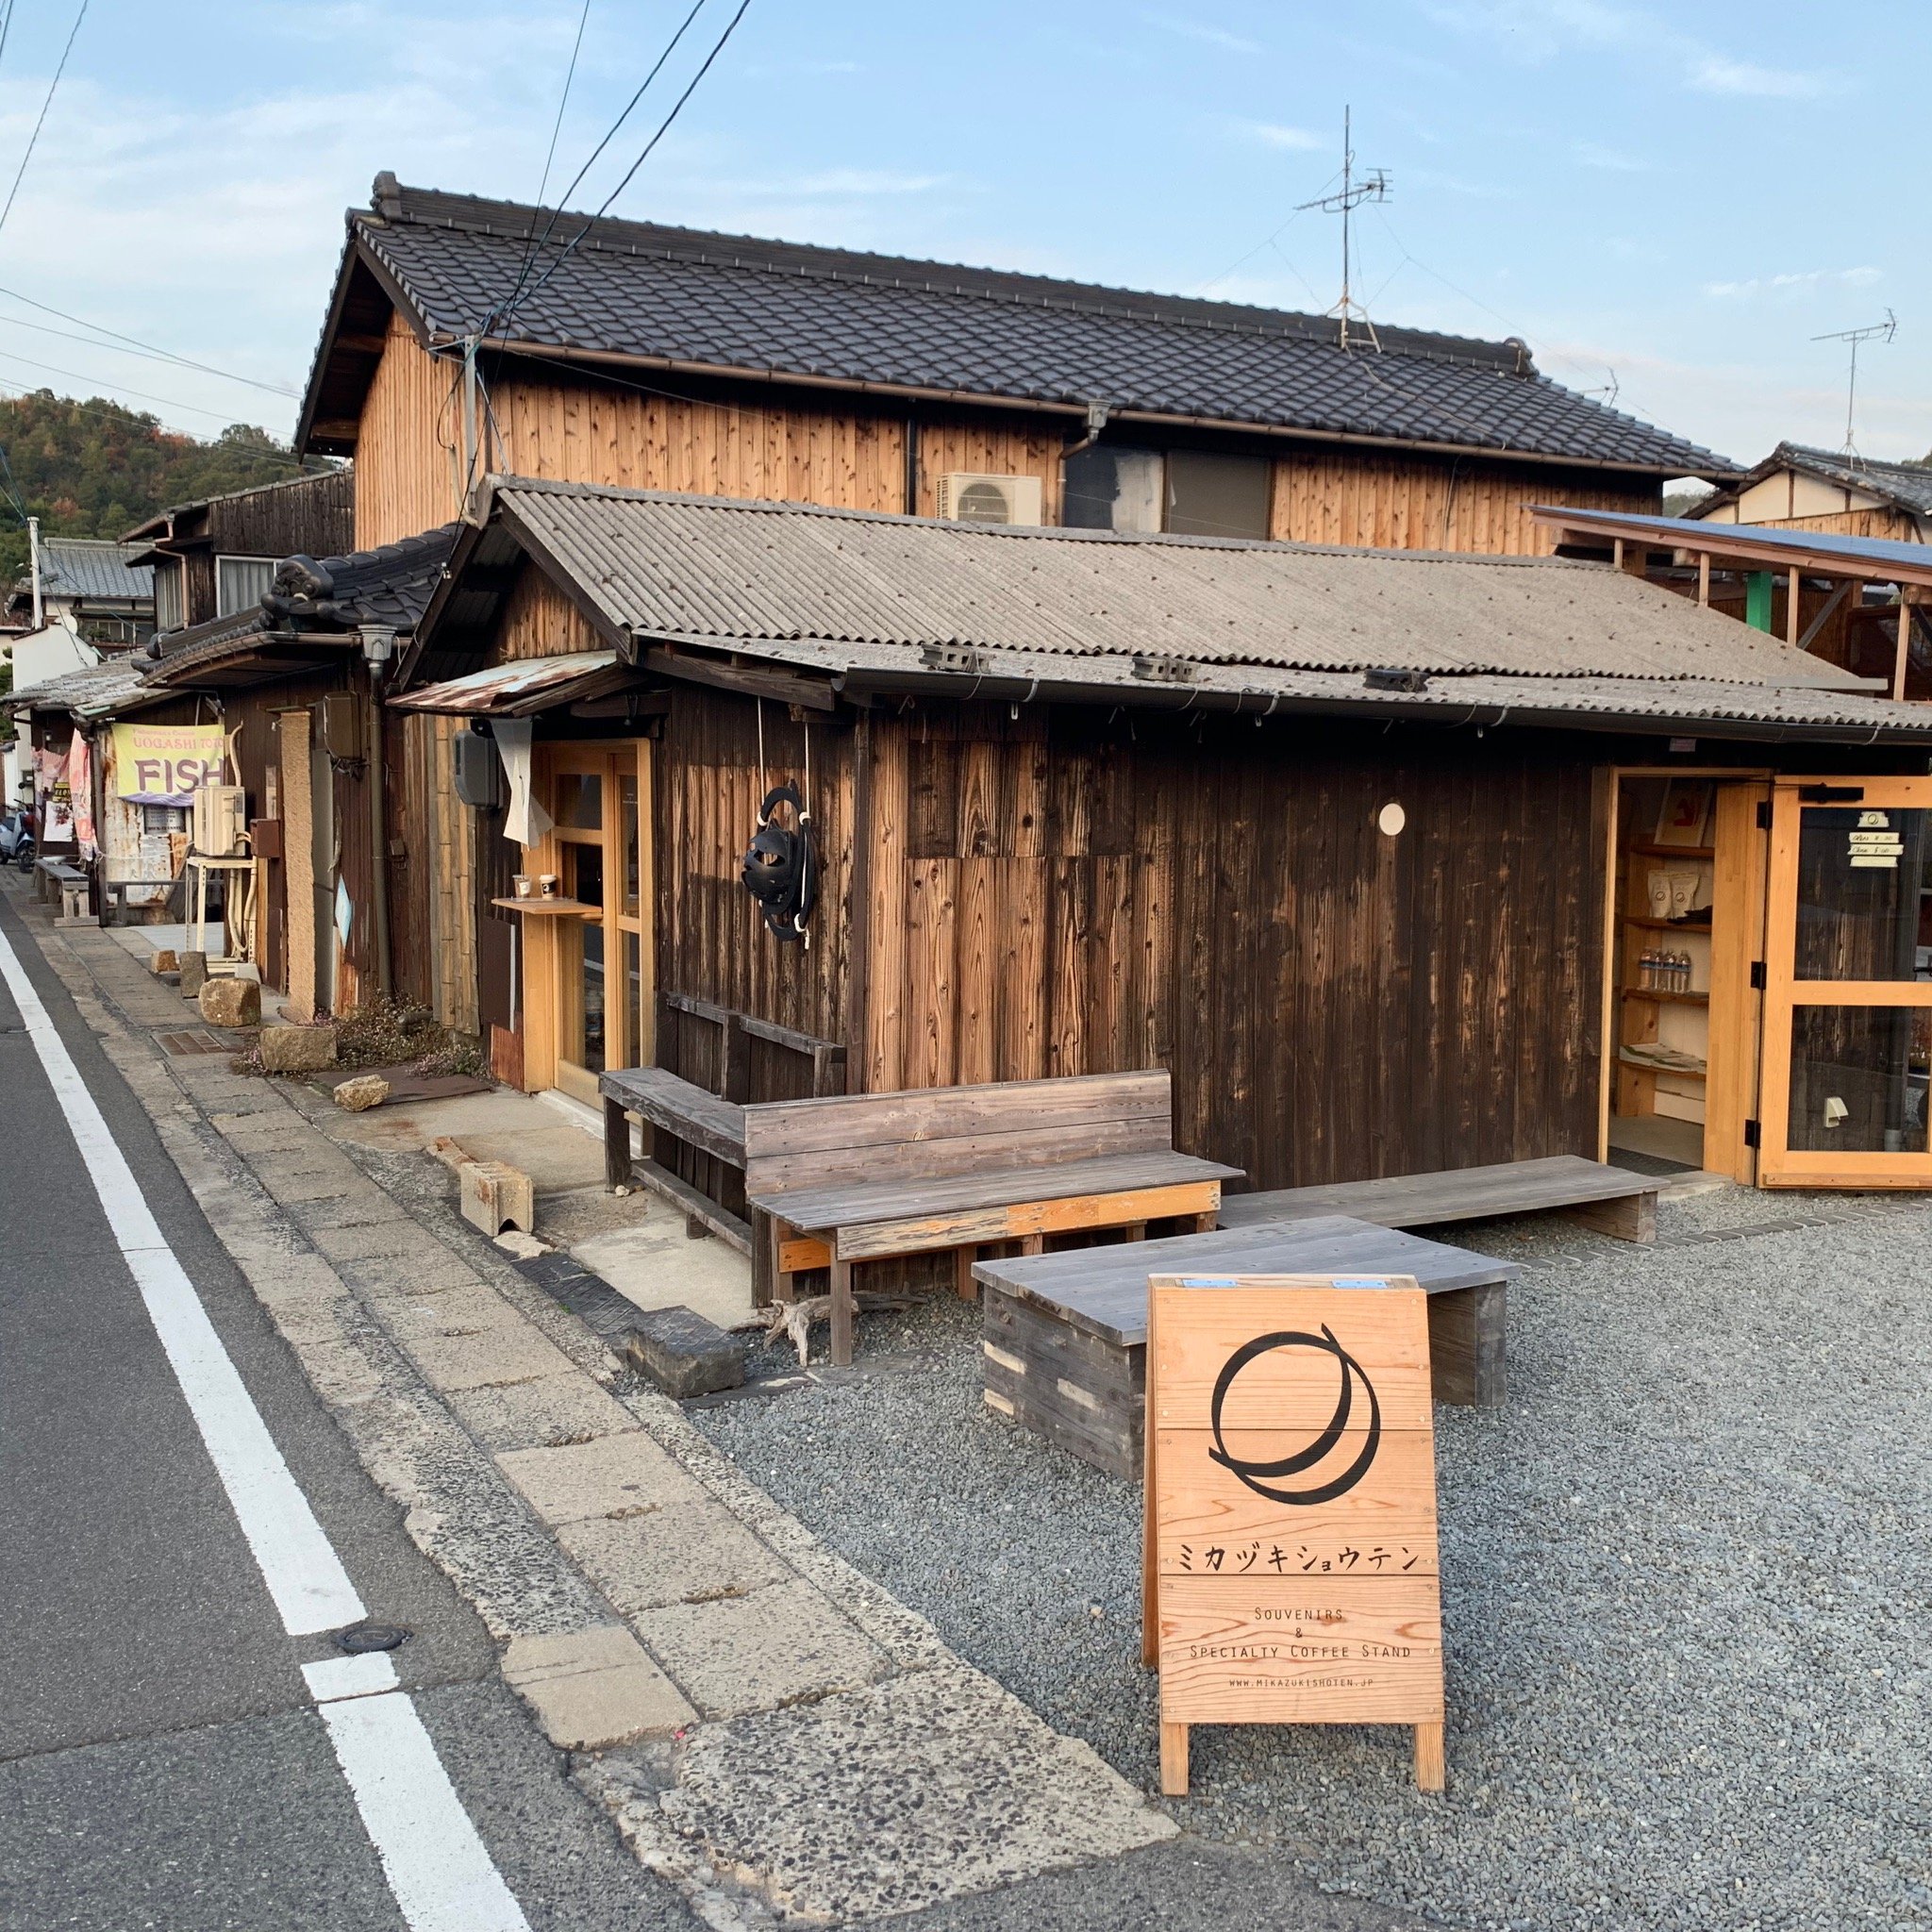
(164, 959)
(594, 1689)
(731, 1654)
(684, 1353)
(360, 1094)
(297, 1049)
(231, 1003)
(193, 975)
(495, 1193)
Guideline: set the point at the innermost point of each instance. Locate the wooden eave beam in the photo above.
(749, 680)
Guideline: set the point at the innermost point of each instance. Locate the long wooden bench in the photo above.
(688, 1113)
(1065, 1336)
(1613, 1200)
(871, 1177)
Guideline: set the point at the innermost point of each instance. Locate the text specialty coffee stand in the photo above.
(1289, 1570)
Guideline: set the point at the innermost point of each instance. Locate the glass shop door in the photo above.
(1848, 984)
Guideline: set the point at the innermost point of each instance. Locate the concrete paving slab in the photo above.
(687, 1548)
(400, 1240)
(474, 1312)
(594, 1689)
(514, 1352)
(655, 1265)
(777, 1646)
(431, 1270)
(550, 1412)
(931, 1786)
(613, 1476)
(497, 1125)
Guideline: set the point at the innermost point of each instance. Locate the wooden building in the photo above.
(1829, 491)
(467, 336)
(102, 589)
(1358, 845)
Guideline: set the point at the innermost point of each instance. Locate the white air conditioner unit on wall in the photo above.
(967, 497)
(219, 821)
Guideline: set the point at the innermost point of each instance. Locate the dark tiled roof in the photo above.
(1909, 485)
(95, 568)
(389, 586)
(687, 298)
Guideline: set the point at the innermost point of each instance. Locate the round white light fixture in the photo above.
(1391, 819)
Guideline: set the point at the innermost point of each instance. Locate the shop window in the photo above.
(579, 801)
(242, 582)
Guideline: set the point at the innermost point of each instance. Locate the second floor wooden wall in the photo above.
(783, 445)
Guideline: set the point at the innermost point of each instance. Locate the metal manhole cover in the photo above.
(196, 1041)
(357, 1638)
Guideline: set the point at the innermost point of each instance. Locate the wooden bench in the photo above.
(58, 878)
(688, 1113)
(871, 1177)
(1065, 1336)
(1613, 1200)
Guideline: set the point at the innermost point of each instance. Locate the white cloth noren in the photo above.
(526, 820)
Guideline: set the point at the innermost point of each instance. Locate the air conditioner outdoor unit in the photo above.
(966, 498)
(219, 820)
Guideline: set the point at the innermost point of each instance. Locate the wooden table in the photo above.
(1066, 1335)
(1613, 1200)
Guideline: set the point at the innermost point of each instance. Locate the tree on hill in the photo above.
(95, 469)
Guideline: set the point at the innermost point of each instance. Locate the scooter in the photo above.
(17, 841)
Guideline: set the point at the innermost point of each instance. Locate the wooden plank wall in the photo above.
(538, 620)
(1054, 896)
(432, 878)
(406, 468)
(1433, 503)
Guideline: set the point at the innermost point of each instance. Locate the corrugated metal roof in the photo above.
(688, 298)
(503, 687)
(706, 568)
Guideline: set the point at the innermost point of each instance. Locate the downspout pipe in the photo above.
(378, 649)
(1097, 414)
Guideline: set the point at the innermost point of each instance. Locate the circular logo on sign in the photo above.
(1303, 1459)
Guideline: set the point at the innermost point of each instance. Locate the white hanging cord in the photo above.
(805, 822)
(764, 776)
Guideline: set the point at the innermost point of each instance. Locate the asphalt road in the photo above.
(161, 1763)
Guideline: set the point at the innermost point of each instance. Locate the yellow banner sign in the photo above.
(162, 765)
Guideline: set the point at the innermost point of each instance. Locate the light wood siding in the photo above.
(990, 445)
(1411, 503)
(432, 875)
(538, 620)
(1895, 525)
(411, 425)
(1053, 896)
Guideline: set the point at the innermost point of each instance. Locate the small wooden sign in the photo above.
(1290, 1569)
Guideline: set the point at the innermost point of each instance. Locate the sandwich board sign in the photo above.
(1289, 1568)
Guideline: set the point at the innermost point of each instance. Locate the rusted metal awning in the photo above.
(530, 685)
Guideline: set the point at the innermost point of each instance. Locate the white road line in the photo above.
(438, 1870)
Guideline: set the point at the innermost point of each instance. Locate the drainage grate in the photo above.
(195, 1041)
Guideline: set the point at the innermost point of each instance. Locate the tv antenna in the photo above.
(1372, 186)
(1871, 332)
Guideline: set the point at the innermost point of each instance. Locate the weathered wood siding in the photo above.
(1053, 896)
(1395, 502)
(408, 447)
(432, 873)
(538, 620)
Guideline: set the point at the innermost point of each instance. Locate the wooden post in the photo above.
(734, 1082)
(1793, 604)
(1905, 643)
(1173, 1761)
(1703, 580)
(780, 1288)
(843, 1308)
(963, 1284)
(1431, 1758)
(616, 1145)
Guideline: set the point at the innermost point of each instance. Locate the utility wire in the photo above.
(274, 388)
(6, 27)
(34, 137)
(556, 129)
(663, 128)
(503, 313)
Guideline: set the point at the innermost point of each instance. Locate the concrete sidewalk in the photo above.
(764, 1725)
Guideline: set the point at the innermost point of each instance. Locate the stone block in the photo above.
(594, 1689)
(231, 1003)
(193, 975)
(360, 1094)
(496, 1195)
(164, 959)
(297, 1049)
(684, 1353)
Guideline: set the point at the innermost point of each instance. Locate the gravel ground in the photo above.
(1685, 1582)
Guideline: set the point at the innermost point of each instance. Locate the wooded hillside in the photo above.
(94, 468)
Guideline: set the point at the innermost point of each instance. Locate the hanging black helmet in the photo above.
(779, 866)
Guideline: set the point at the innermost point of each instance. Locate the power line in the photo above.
(610, 135)
(33, 139)
(82, 376)
(556, 129)
(274, 388)
(663, 128)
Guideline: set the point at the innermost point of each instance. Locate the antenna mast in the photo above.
(1373, 186)
(1873, 332)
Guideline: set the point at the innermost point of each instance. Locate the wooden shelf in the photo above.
(1676, 851)
(551, 908)
(1664, 1072)
(1661, 998)
(1668, 926)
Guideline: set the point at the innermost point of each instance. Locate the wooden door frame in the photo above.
(1743, 1030)
(1777, 1166)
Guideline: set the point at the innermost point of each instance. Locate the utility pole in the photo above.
(1373, 186)
(469, 489)
(33, 550)
(1871, 332)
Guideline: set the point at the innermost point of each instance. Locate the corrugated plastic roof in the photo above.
(712, 568)
(694, 299)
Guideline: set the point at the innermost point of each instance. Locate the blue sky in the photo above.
(1675, 198)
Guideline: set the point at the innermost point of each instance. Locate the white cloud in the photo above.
(1714, 75)
(1805, 281)
(1203, 31)
(1272, 134)
(1607, 158)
